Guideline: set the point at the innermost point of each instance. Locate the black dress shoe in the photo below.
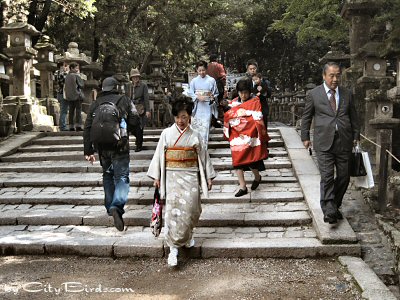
(241, 193)
(339, 215)
(79, 129)
(118, 221)
(255, 184)
(138, 148)
(330, 218)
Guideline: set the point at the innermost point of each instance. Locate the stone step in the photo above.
(78, 140)
(137, 241)
(145, 154)
(65, 146)
(138, 179)
(213, 215)
(135, 165)
(149, 131)
(266, 193)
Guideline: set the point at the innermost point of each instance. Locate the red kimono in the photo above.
(244, 128)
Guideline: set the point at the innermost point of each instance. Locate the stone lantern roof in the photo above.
(335, 55)
(73, 55)
(20, 27)
(357, 7)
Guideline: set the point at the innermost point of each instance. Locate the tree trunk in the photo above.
(148, 55)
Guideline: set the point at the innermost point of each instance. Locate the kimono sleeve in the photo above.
(156, 164)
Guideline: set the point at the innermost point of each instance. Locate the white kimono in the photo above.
(180, 187)
(202, 111)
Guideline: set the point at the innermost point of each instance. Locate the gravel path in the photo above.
(41, 277)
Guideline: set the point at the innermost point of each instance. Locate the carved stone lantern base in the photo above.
(33, 116)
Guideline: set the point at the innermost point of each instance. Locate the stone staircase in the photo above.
(51, 203)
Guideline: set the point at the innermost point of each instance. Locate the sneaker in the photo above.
(173, 257)
(118, 221)
(190, 243)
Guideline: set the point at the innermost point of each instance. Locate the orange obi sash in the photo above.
(181, 157)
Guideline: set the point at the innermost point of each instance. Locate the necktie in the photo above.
(332, 100)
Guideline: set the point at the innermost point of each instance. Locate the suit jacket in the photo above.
(325, 119)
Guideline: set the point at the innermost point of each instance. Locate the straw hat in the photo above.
(134, 72)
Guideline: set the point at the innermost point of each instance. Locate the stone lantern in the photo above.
(5, 64)
(156, 78)
(299, 107)
(384, 123)
(309, 86)
(21, 51)
(93, 71)
(46, 65)
(374, 71)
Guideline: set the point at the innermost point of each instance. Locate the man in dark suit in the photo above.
(336, 130)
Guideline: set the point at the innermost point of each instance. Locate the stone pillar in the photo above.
(359, 14)
(22, 53)
(374, 72)
(93, 71)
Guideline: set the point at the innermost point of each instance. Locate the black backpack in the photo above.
(106, 123)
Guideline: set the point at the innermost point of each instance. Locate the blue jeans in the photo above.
(115, 179)
(63, 111)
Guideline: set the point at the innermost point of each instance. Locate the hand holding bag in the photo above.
(356, 163)
(366, 181)
(156, 214)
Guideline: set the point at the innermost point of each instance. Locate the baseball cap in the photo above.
(109, 84)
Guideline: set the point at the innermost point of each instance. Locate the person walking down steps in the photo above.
(336, 130)
(180, 165)
(108, 122)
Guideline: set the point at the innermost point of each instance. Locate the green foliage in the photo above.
(286, 37)
(313, 19)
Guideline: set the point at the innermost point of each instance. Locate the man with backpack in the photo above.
(109, 119)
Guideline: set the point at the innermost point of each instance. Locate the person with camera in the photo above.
(138, 92)
(108, 122)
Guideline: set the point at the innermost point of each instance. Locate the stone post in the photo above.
(22, 53)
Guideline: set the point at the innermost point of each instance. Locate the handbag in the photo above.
(366, 181)
(140, 108)
(156, 214)
(356, 163)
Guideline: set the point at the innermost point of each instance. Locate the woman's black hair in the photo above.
(201, 63)
(182, 103)
(244, 84)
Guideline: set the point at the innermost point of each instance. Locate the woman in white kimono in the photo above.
(204, 93)
(179, 167)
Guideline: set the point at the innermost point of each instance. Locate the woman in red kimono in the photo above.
(247, 134)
